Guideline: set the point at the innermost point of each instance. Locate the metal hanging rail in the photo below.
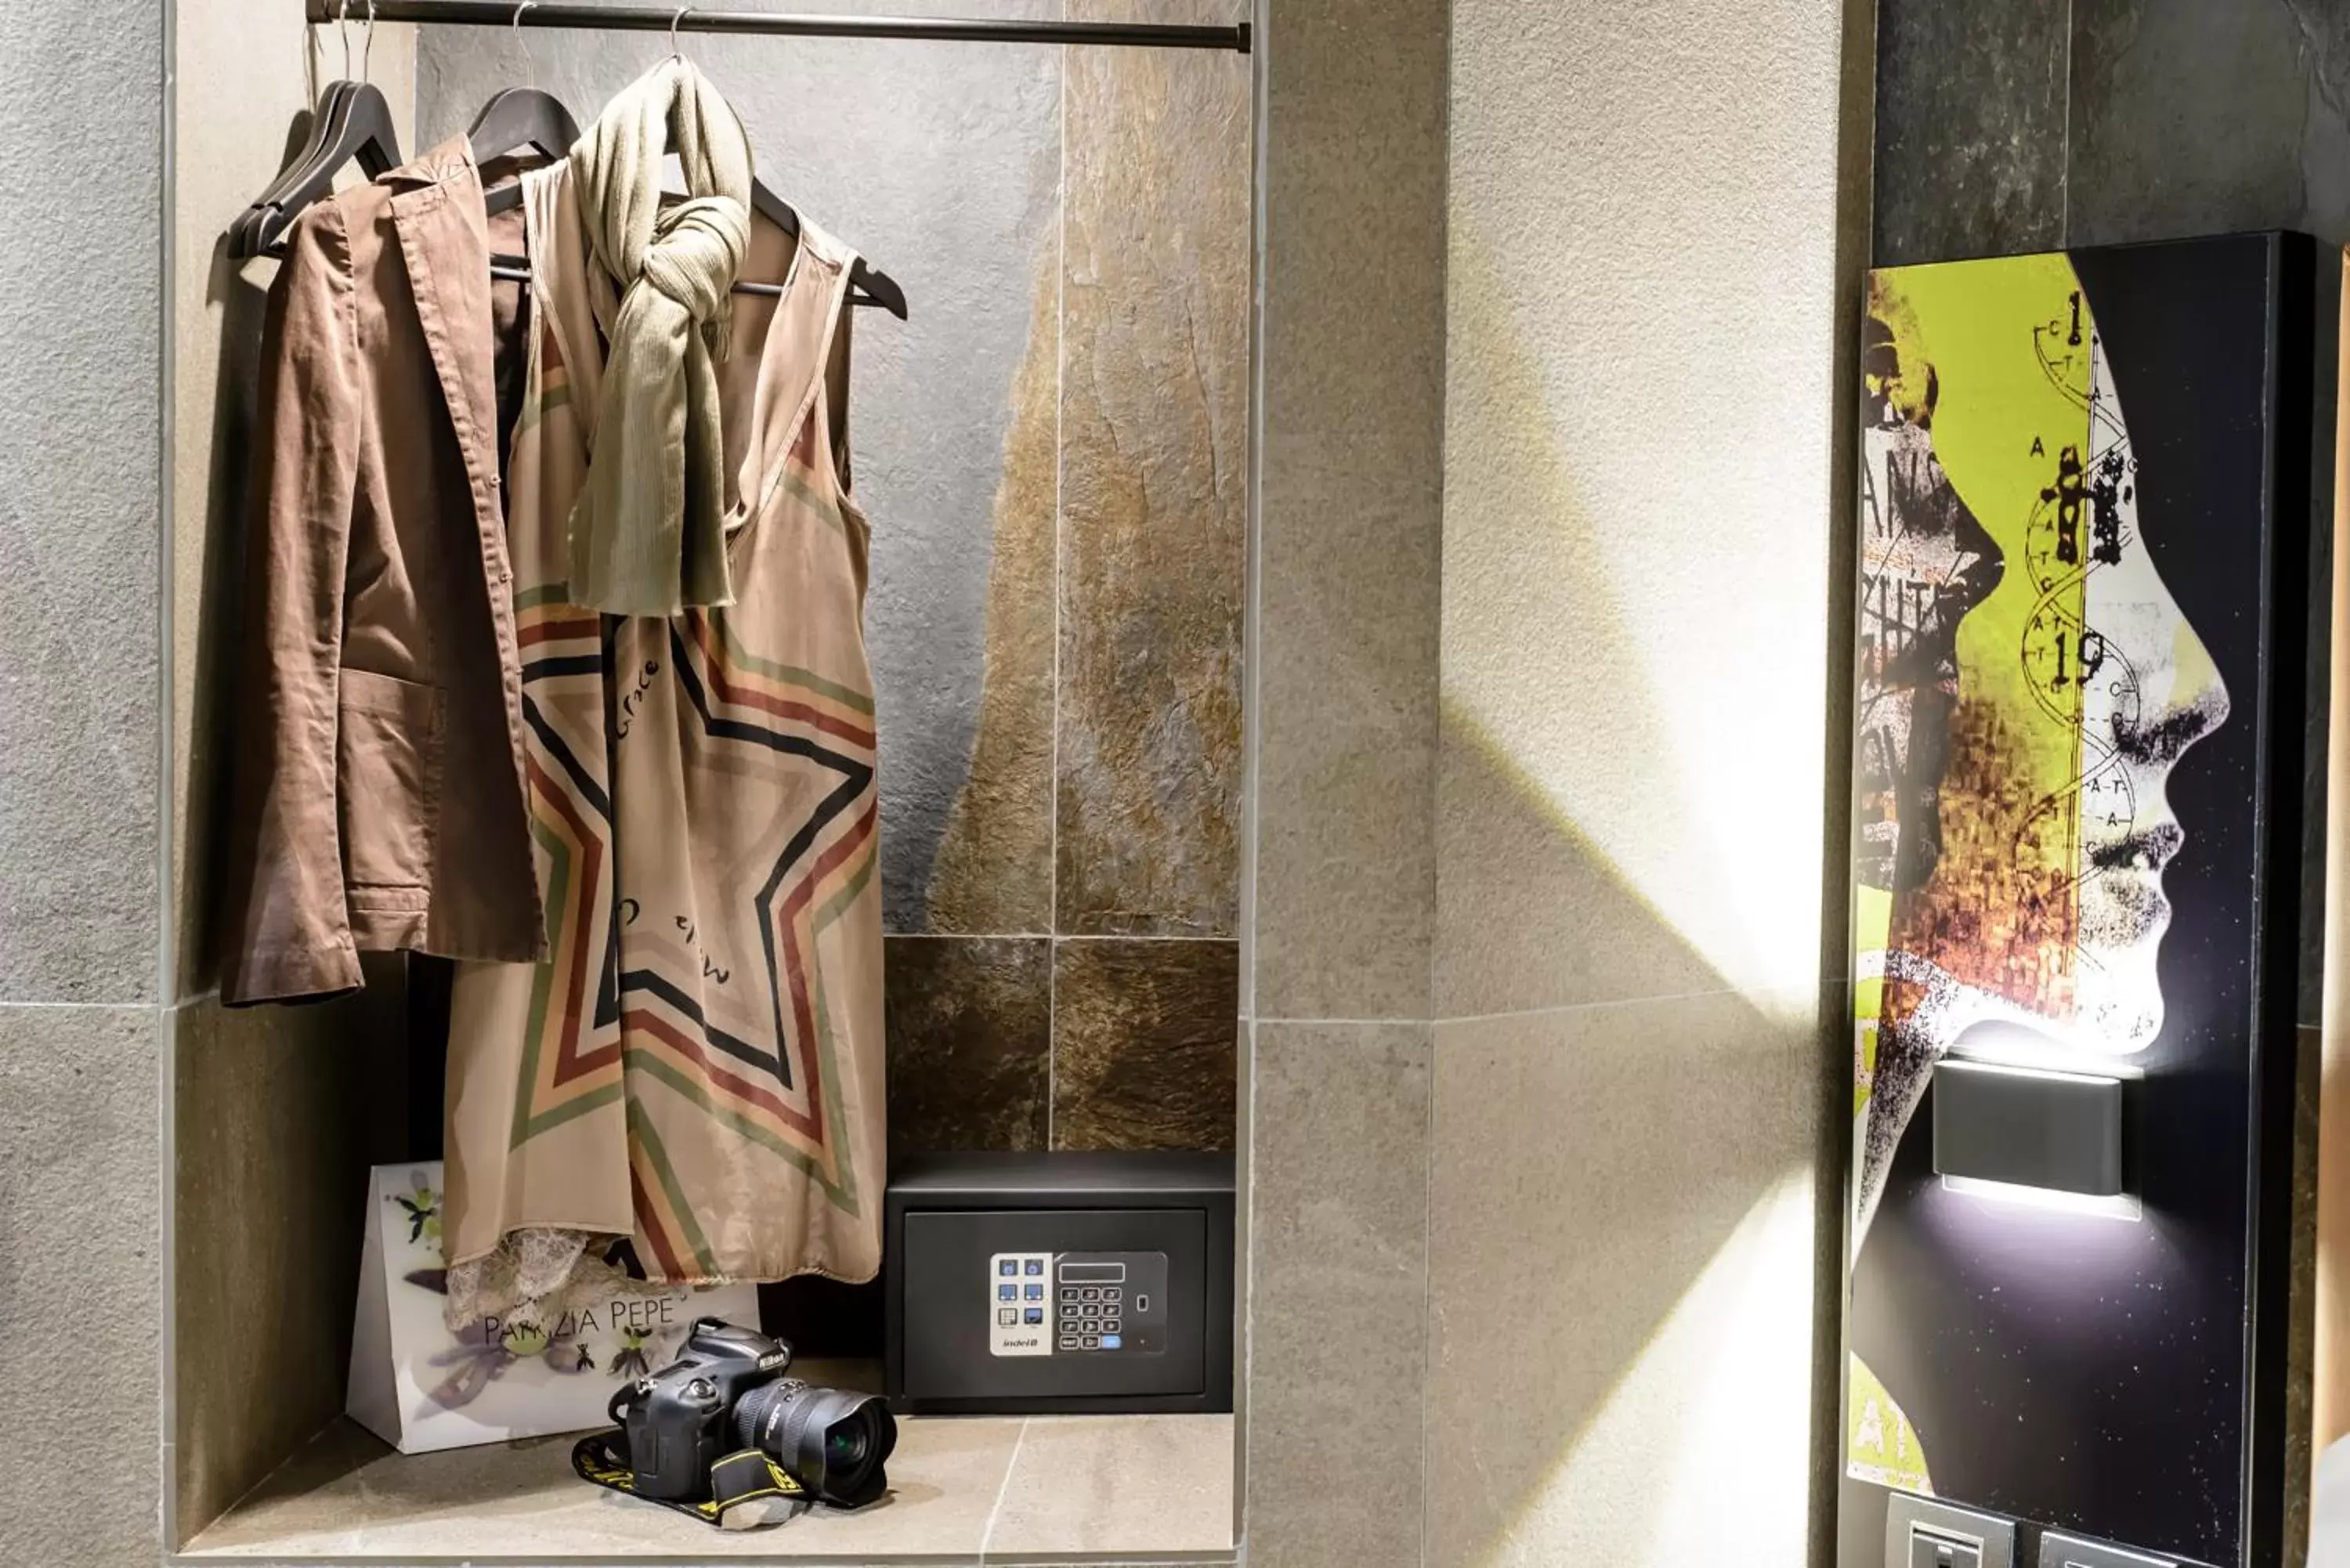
(694, 19)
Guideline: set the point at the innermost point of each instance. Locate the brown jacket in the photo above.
(376, 797)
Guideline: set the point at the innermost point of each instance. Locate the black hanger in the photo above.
(867, 287)
(523, 119)
(353, 122)
(520, 120)
(314, 142)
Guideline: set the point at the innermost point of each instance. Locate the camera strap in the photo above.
(739, 1477)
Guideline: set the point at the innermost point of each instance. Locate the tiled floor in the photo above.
(969, 1490)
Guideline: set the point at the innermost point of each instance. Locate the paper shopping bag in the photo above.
(421, 1386)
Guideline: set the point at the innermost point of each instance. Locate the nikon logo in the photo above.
(774, 1359)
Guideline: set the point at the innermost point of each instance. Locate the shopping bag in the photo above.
(421, 1387)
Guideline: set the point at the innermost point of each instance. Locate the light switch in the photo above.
(1931, 1550)
(2071, 1552)
(1922, 1533)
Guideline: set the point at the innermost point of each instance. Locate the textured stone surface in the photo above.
(1344, 644)
(1640, 479)
(1642, 1173)
(80, 298)
(1337, 1282)
(2190, 119)
(1154, 465)
(1970, 128)
(940, 162)
(1144, 1044)
(280, 1114)
(1126, 1486)
(80, 1282)
(971, 1039)
(1653, 236)
(994, 869)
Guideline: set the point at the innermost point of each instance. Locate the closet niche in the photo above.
(1052, 450)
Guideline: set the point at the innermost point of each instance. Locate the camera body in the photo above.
(726, 1392)
(681, 1419)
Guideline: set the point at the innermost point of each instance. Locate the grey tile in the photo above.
(1624, 1260)
(1337, 1279)
(1154, 464)
(280, 1113)
(1144, 1044)
(1129, 1486)
(971, 1042)
(1531, 913)
(1970, 127)
(1344, 639)
(942, 162)
(2188, 119)
(81, 1274)
(1630, 790)
(80, 298)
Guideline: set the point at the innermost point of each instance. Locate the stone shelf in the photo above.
(964, 1491)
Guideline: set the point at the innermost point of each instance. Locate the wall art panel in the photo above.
(2075, 841)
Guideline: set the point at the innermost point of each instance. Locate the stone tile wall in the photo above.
(83, 803)
(1655, 227)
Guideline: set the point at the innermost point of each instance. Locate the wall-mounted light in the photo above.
(2032, 1135)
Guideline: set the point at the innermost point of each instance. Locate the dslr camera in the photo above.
(727, 1391)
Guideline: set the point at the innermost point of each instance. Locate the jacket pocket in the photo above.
(388, 756)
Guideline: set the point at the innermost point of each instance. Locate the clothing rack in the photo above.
(694, 19)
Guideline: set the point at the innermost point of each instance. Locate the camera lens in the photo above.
(845, 1446)
(832, 1441)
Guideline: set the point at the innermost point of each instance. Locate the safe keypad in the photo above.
(1035, 1312)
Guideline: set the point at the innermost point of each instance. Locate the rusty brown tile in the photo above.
(1146, 1044)
(970, 1041)
(1154, 443)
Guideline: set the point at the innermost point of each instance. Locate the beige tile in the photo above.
(1154, 472)
(1132, 1486)
(1532, 914)
(1637, 578)
(1624, 1260)
(1344, 644)
(1144, 1044)
(1337, 1286)
(280, 1113)
(80, 1286)
(348, 1495)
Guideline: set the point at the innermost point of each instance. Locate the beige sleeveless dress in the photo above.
(697, 1066)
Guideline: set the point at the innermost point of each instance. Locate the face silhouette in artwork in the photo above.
(2027, 682)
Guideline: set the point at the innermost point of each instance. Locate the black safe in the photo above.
(1059, 1283)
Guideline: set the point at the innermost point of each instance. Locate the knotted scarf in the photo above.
(649, 531)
